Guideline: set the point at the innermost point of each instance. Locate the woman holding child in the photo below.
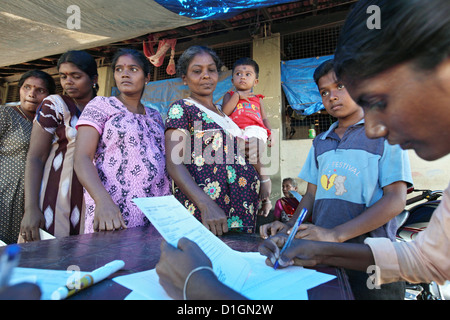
(213, 179)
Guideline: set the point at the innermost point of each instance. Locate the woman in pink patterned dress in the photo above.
(120, 152)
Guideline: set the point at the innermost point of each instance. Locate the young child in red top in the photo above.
(285, 206)
(247, 111)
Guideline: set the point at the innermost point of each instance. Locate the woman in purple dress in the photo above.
(120, 152)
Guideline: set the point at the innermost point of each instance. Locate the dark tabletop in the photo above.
(140, 249)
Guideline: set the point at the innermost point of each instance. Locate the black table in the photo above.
(140, 249)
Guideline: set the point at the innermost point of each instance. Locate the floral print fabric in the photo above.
(216, 166)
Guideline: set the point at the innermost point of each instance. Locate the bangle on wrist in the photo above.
(190, 274)
(263, 181)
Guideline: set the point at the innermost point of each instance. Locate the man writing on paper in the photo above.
(406, 98)
(402, 94)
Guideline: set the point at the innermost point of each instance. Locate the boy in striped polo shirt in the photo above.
(356, 185)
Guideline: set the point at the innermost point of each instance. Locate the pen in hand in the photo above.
(299, 221)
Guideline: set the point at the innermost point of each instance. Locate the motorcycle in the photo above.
(413, 220)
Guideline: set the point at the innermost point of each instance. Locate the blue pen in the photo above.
(8, 261)
(299, 221)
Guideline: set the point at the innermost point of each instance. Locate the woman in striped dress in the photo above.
(53, 194)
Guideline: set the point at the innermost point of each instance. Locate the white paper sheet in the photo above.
(48, 280)
(143, 284)
(173, 222)
(245, 272)
(45, 235)
(292, 283)
(264, 283)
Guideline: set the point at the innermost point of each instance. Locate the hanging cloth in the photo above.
(148, 46)
(171, 70)
(158, 58)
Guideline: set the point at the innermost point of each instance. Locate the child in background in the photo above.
(285, 206)
(247, 111)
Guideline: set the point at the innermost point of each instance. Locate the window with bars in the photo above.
(228, 55)
(300, 45)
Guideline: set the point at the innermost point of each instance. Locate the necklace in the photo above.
(214, 105)
(76, 104)
(23, 113)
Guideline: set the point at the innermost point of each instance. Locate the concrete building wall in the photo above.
(266, 52)
(105, 81)
(433, 175)
(286, 157)
(292, 153)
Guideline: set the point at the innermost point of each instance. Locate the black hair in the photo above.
(83, 60)
(247, 62)
(44, 76)
(138, 56)
(292, 181)
(323, 69)
(189, 54)
(414, 31)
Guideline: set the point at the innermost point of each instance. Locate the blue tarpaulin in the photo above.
(299, 86)
(215, 9)
(159, 95)
(296, 80)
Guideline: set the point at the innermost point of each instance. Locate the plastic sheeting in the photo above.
(298, 84)
(296, 80)
(32, 29)
(215, 9)
(159, 95)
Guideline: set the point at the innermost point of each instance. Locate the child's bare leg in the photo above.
(265, 189)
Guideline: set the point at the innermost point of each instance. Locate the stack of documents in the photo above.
(245, 272)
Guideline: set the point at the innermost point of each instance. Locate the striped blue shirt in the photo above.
(350, 174)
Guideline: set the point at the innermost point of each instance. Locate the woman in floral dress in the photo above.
(213, 178)
(120, 152)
